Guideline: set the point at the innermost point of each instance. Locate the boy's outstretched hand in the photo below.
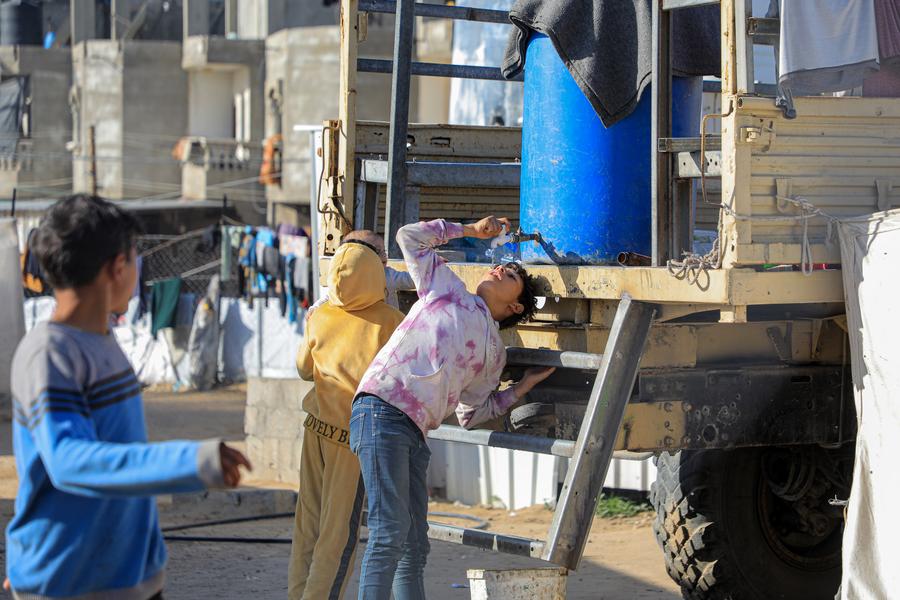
(531, 378)
(231, 460)
(486, 228)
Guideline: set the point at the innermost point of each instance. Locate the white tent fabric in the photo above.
(870, 249)
(12, 325)
(151, 358)
(256, 342)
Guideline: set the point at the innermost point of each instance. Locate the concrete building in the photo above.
(257, 19)
(192, 120)
(129, 109)
(222, 152)
(36, 123)
(132, 19)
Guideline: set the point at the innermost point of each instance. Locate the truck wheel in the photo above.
(534, 418)
(752, 524)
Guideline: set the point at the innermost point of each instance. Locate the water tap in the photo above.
(514, 237)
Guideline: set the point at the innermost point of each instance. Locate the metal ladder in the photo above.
(616, 368)
(591, 452)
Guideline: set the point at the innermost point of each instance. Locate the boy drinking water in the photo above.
(445, 356)
(85, 523)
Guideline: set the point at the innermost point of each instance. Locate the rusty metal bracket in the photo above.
(782, 342)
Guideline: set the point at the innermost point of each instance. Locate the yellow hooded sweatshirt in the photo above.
(344, 334)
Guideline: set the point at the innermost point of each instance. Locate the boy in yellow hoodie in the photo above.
(342, 337)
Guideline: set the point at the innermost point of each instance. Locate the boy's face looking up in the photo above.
(500, 288)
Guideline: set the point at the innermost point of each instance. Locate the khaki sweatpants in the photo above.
(326, 524)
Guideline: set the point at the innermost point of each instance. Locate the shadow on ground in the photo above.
(232, 571)
(624, 564)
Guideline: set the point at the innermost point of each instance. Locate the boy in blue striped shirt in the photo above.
(85, 524)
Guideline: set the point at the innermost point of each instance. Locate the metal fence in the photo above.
(194, 256)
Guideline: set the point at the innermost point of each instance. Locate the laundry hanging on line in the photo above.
(164, 304)
(273, 264)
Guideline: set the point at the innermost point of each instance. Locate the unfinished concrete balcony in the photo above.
(222, 151)
(18, 162)
(214, 168)
(217, 52)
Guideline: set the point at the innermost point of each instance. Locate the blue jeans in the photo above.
(393, 457)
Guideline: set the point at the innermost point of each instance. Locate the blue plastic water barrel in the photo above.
(584, 187)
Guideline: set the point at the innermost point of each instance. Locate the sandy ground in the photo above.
(622, 560)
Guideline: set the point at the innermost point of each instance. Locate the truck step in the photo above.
(534, 357)
(502, 439)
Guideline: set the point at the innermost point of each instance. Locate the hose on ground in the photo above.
(282, 515)
(479, 524)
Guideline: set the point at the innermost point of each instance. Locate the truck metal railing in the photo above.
(502, 439)
(398, 173)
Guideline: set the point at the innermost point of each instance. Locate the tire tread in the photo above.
(685, 526)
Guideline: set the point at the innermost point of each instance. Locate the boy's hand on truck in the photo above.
(231, 461)
(531, 378)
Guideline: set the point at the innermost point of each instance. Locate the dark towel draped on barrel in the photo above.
(607, 46)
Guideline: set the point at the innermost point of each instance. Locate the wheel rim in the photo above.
(797, 529)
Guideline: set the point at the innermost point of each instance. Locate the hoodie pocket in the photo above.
(430, 389)
(428, 377)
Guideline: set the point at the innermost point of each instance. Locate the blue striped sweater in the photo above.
(85, 523)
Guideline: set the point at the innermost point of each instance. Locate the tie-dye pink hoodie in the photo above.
(447, 353)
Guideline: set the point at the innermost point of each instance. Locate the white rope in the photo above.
(692, 266)
(190, 273)
(808, 210)
(202, 268)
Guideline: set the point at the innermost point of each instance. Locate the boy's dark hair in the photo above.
(526, 298)
(78, 235)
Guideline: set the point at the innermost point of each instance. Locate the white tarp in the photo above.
(870, 249)
(256, 342)
(12, 325)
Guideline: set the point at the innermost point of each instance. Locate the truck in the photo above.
(732, 374)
